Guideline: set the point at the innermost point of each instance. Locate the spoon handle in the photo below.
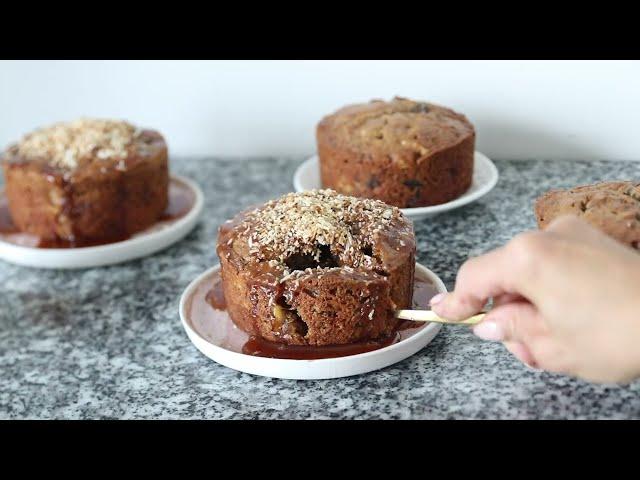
(429, 316)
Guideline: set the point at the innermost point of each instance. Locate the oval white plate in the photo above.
(485, 177)
(147, 242)
(308, 369)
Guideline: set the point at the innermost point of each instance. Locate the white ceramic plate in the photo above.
(155, 238)
(221, 351)
(485, 177)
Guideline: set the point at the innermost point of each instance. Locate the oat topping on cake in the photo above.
(306, 223)
(65, 144)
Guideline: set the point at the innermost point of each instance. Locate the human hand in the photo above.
(566, 299)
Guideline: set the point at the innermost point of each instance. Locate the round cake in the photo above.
(405, 153)
(85, 181)
(317, 268)
(612, 207)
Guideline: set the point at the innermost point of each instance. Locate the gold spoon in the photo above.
(430, 316)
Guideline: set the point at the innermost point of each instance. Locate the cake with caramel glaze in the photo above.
(403, 152)
(86, 181)
(317, 268)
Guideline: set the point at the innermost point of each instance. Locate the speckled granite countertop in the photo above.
(107, 342)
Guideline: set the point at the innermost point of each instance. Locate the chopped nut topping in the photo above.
(65, 144)
(309, 222)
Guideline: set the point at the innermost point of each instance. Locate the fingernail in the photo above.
(534, 367)
(437, 298)
(489, 331)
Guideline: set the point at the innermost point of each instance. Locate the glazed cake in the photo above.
(612, 207)
(317, 268)
(85, 181)
(405, 153)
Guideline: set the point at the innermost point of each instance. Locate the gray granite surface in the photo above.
(107, 342)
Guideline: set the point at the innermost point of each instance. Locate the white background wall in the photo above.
(521, 109)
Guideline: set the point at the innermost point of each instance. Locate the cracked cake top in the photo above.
(400, 124)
